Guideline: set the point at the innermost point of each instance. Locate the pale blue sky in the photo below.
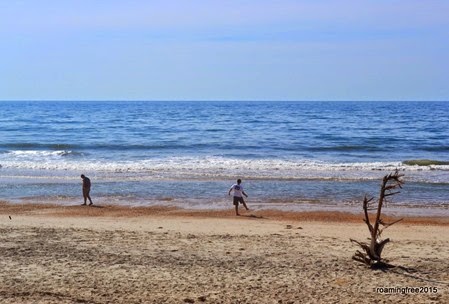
(224, 50)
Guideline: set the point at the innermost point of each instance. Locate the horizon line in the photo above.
(222, 100)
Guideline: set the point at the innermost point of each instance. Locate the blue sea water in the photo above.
(291, 155)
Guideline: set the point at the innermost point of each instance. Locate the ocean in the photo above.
(290, 155)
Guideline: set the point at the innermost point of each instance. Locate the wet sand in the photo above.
(110, 254)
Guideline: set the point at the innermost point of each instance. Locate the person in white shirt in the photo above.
(238, 196)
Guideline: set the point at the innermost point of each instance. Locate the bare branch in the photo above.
(392, 193)
(386, 225)
(373, 250)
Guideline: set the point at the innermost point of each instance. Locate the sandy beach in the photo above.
(110, 254)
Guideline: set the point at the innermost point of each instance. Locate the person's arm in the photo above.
(229, 193)
(246, 195)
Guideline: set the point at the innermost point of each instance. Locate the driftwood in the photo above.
(372, 251)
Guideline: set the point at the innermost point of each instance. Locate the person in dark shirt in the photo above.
(86, 189)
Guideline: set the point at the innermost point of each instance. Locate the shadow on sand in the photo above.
(90, 206)
(253, 216)
(405, 271)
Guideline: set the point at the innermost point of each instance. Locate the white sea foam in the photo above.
(216, 167)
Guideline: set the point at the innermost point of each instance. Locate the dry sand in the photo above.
(54, 254)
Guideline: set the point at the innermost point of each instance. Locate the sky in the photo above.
(224, 50)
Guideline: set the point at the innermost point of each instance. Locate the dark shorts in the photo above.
(238, 200)
(86, 191)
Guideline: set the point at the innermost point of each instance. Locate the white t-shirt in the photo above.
(238, 189)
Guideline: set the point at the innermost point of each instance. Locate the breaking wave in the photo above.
(425, 162)
(214, 167)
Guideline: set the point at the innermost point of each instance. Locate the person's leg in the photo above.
(88, 196)
(236, 204)
(244, 204)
